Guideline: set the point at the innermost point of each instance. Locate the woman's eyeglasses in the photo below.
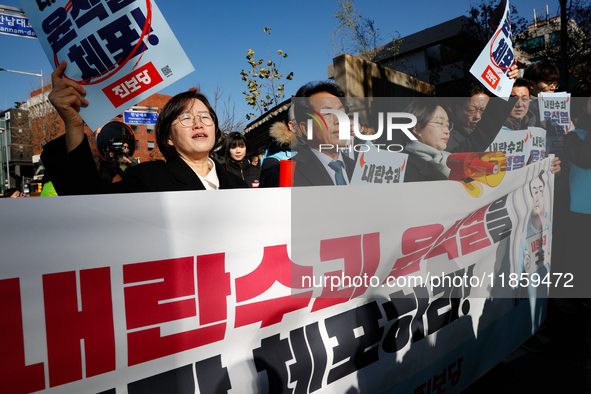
(449, 126)
(187, 119)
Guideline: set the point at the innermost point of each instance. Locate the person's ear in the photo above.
(303, 128)
(170, 141)
(416, 130)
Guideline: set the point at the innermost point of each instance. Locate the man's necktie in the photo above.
(338, 169)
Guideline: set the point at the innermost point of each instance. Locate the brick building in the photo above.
(145, 147)
(15, 145)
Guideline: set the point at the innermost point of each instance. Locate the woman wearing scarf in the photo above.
(427, 158)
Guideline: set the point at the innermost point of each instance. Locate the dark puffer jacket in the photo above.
(249, 173)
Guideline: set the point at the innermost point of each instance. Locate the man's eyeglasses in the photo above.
(449, 126)
(187, 119)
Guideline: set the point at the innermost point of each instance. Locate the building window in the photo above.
(555, 39)
(150, 128)
(533, 45)
(137, 145)
(151, 145)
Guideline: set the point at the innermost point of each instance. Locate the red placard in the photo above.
(491, 77)
(132, 85)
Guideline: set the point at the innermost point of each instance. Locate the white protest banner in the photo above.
(375, 165)
(120, 51)
(521, 147)
(555, 109)
(163, 293)
(496, 59)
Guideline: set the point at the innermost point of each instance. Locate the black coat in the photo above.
(479, 140)
(75, 173)
(420, 170)
(457, 135)
(309, 171)
(270, 172)
(249, 173)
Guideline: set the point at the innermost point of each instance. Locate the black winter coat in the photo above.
(75, 173)
(246, 171)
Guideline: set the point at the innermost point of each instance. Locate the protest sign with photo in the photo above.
(120, 51)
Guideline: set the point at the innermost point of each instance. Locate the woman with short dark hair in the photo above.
(427, 158)
(186, 132)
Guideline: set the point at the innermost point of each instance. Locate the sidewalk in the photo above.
(562, 366)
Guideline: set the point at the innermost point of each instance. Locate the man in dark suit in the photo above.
(319, 162)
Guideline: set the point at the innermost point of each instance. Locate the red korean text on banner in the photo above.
(361, 255)
(15, 375)
(276, 266)
(162, 291)
(132, 85)
(66, 325)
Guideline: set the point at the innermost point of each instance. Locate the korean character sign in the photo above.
(381, 166)
(120, 51)
(494, 62)
(521, 147)
(555, 110)
(15, 25)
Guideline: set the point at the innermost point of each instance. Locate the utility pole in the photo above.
(563, 46)
(4, 133)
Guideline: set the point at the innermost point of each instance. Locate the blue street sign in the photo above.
(136, 117)
(16, 25)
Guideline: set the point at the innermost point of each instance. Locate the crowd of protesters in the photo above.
(187, 132)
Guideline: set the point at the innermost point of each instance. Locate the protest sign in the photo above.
(379, 166)
(555, 109)
(496, 59)
(521, 147)
(158, 292)
(120, 51)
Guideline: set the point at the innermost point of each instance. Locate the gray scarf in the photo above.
(431, 155)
